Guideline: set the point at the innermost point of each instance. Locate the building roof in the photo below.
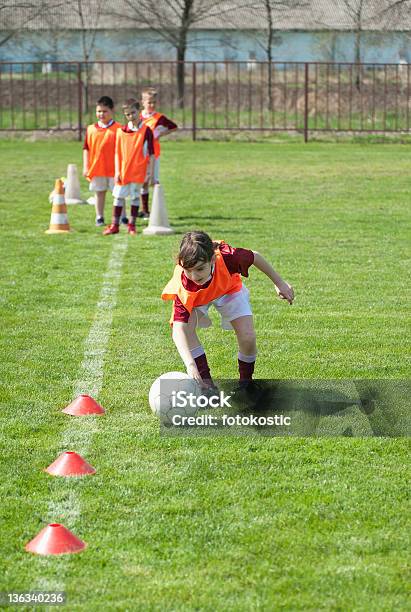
(226, 14)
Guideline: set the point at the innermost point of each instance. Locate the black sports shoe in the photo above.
(367, 405)
(210, 391)
(100, 221)
(247, 394)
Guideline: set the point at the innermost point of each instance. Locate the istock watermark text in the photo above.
(182, 399)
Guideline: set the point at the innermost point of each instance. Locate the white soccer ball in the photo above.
(163, 396)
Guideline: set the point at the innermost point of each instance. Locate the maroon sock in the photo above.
(116, 214)
(246, 370)
(144, 202)
(202, 365)
(133, 214)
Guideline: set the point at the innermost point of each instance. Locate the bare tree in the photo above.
(396, 13)
(89, 15)
(16, 16)
(356, 10)
(397, 6)
(273, 10)
(172, 21)
(371, 14)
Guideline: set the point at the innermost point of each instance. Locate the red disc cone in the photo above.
(70, 464)
(55, 539)
(83, 404)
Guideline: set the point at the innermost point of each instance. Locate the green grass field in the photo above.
(218, 118)
(226, 523)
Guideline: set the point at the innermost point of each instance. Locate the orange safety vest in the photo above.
(222, 283)
(101, 145)
(130, 155)
(152, 122)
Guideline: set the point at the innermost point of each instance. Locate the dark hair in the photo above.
(195, 247)
(131, 103)
(106, 101)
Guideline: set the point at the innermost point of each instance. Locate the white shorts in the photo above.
(131, 189)
(229, 306)
(101, 183)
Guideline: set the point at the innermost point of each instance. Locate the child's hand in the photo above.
(285, 292)
(192, 371)
(85, 171)
(117, 179)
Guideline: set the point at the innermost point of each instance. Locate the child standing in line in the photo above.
(208, 273)
(133, 160)
(98, 154)
(160, 126)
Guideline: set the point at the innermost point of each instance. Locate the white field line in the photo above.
(77, 436)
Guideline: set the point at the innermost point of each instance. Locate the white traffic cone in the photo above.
(58, 221)
(73, 195)
(158, 223)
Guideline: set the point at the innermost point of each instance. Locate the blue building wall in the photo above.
(209, 45)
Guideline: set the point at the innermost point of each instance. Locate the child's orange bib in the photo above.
(130, 153)
(222, 283)
(101, 146)
(152, 122)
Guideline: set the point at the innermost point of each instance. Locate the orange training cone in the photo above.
(82, 405)
(55, 539)
(51, 194)
(70, 464)
(58, 221)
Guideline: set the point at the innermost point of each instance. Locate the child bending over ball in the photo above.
(209, 273)
(160, 126)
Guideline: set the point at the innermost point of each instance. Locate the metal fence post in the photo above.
(306, 75)
(326, 100)
(80, 101)
(194, 100)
